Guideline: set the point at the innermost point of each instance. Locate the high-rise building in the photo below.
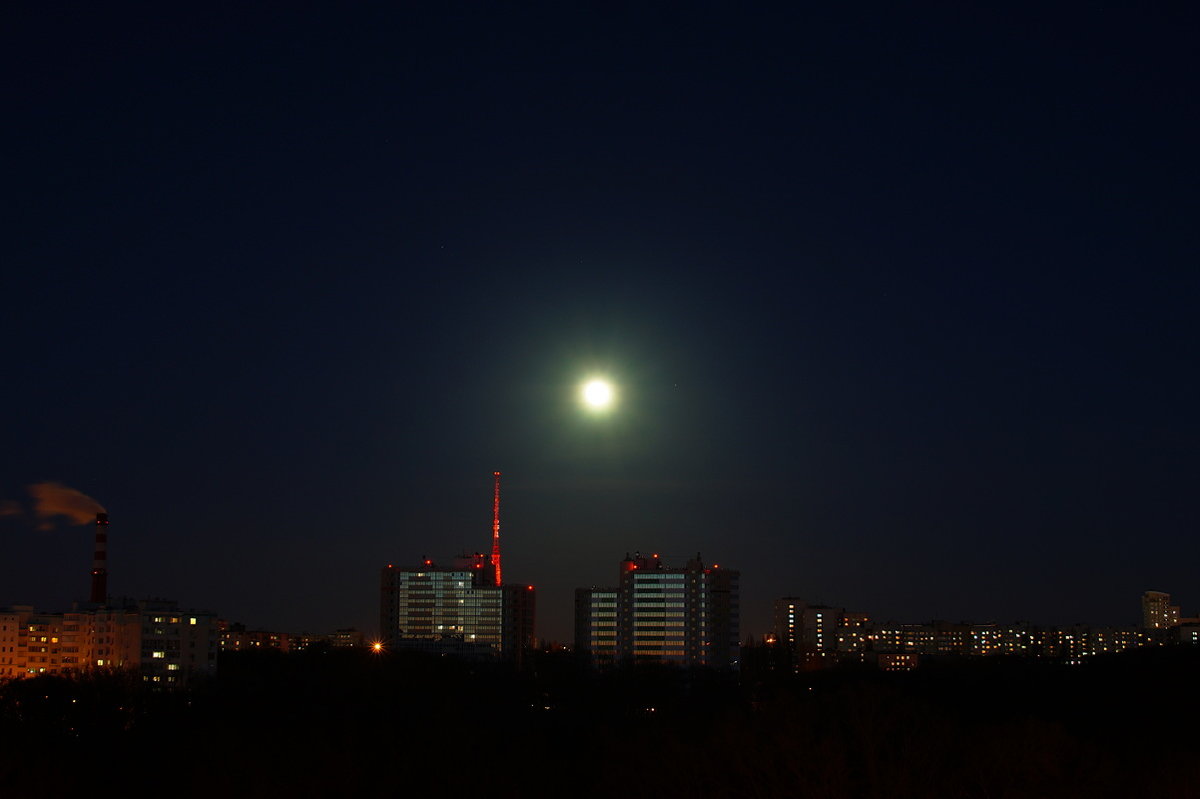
(1157, 611)
(455, 609)
(687, 616)
(596, 624)
(462, 609)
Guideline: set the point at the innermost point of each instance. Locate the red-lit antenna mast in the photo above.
(496, 529)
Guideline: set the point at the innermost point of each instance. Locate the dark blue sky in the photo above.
(902, 303)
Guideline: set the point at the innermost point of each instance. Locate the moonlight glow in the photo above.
(597, 394)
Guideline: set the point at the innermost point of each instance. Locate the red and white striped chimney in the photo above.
(100, 561)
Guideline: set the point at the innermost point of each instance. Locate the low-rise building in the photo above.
(162, 642)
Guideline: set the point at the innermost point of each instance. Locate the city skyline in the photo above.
(53, 501)
(898, 305)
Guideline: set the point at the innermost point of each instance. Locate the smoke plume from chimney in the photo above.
(54, 499)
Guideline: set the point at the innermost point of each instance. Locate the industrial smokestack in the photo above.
(100, 561)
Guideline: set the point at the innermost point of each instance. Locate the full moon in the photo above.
(597, 394)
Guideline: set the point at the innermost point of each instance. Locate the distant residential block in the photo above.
(819, 636)
(236, 638)
(156, 638)
(1157, 611)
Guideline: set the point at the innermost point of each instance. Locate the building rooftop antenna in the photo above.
(496, 529)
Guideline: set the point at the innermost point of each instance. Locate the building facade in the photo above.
(813, 635)
(686, 616)
(1157, 611)
(455, 609)
(596, 625)
(236, 638)
(155, 638)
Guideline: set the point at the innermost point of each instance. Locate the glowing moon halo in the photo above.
(597, 394)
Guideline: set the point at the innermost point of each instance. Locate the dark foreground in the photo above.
(344, 723)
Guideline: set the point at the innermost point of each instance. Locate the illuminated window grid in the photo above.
(433, 604)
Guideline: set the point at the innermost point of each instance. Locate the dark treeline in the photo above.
(351, 723)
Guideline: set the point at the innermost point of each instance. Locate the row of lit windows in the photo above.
(661, 648)
(645, 639)
(448, 601)
(448, 611)
(434, 596)
(441, 611)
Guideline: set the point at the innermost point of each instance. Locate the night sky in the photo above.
(901, 304)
